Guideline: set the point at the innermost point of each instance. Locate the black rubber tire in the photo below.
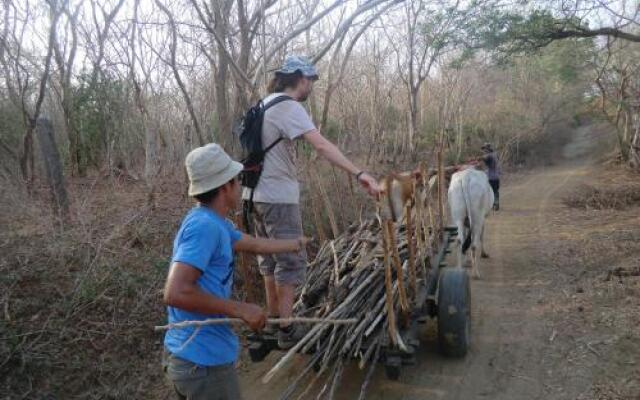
(454, 312)
(392, 372)
(317, 365)
(258, 351)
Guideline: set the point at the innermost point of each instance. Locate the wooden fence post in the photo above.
(440, 194)
(53, 167)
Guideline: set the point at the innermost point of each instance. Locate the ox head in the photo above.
(399, 190)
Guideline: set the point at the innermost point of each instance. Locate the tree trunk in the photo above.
(634, 148)
(53, 166)
(222, 73)
(77, 165)
(413, 127)
(26, 157)
(104, 134)
(222, 103)
(150, 149)
(624, 149)
(72, 134)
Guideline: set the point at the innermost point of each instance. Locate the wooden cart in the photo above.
(444, 295)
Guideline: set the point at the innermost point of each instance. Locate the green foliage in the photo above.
(11, 124)
(568, 60)
(99, 113)
(509, 33)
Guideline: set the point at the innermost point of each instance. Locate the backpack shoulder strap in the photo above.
(275, 101)
(272, 145)
(270, 104)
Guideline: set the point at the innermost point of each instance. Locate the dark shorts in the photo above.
(280, 221)
(193, 382)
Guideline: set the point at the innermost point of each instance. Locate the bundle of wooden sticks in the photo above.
(372, 272)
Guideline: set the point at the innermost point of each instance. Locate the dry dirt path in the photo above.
(511, 354)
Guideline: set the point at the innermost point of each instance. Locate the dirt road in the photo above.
(514, 351)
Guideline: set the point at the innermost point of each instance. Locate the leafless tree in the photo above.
(96, 35)
(19, 70)
(172, 61)
(65, 56)
(334, 82)
(426, 36)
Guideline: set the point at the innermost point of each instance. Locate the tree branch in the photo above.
(588, 33)
(176, 73)
(344, 27)
(294, 33)
(220, 42)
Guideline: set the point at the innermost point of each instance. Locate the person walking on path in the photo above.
(490, 160)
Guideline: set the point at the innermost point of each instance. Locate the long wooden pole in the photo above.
(440, 192)
(393, 252)
(412, 253)
(270, 321)
(328, 206)
(391, 315)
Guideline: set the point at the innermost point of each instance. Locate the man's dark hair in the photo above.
(208, 197)
(281, 82)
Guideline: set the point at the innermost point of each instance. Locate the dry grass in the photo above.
(596, 256)
(607, 197)
(79, 303)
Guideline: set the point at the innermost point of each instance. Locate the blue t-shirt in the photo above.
(205, 241)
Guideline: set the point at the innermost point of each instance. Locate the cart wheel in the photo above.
(392, 368)
(454, 312)
(258, 351)
(317, 365)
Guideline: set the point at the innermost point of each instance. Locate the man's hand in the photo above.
(253, 315)
(369, 184)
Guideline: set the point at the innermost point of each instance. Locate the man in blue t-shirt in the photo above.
(200, 361)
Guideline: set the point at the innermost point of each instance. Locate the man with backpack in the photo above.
(273, 194)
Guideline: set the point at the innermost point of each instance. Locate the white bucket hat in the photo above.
(209, 167)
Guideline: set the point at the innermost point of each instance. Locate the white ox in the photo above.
(470, 200)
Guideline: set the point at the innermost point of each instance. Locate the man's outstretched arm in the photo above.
(252, 244)
(330, 151)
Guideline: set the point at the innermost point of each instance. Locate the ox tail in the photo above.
(467, 201)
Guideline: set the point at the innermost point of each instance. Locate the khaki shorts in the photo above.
(280, 221)
(193, 382)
